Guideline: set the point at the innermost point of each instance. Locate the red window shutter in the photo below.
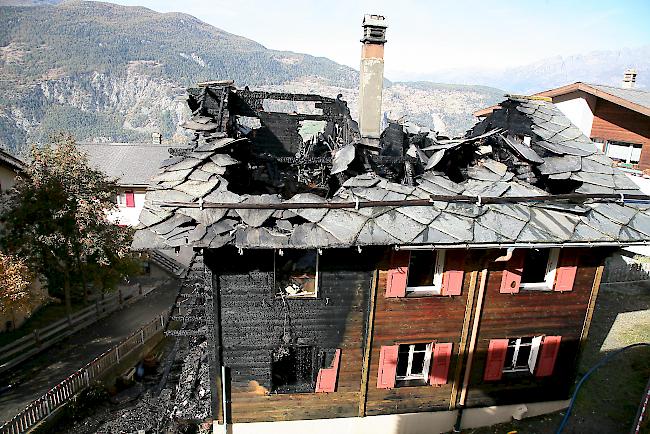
(387, 367)
(511, 278)
(440, 366)
(130, 199)
(548, 355)
(496, 357)
(566, 271)
(326, 381)
(398, 273)
(452, 278)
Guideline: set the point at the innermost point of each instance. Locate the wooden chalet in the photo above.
(345, 276)
(617, 119)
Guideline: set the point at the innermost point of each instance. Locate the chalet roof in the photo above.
(132, 164)
(634, 95)
(13, 162)
(494, 160)
(634, 99)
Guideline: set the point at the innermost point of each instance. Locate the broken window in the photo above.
(296, 273)
(539, 269)
(413, 361)
(521, 355)
(425, 272)
(292, 369)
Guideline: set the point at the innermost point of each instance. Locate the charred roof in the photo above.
(271, 170)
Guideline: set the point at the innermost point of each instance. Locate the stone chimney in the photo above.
(371, 78)
(629, 79)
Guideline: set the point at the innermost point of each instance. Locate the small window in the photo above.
(296, 273)
(539, 269)
(521, 355)
(292, 369)
(425, 272)
(623, 152)
(413, 362)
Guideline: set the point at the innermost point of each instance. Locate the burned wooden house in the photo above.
(348, 275)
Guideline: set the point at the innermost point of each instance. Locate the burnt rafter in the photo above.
(297, 174)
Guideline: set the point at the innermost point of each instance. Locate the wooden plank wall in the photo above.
(414, 320)
(532, 313)
(253, 322)
(613, 122)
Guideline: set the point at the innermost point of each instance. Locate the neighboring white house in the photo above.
(10, 166)
(132, 165)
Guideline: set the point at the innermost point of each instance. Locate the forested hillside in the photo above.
(110, 72)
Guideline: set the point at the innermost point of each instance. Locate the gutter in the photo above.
(522, 245)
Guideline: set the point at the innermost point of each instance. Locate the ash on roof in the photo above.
(254, 147)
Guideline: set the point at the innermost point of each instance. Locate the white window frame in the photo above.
(551, 270)
(436, 284)
(510, 365)
(425, 364)
(281, 293)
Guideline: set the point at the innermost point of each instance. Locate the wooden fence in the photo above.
(37, 341)
(60, 394)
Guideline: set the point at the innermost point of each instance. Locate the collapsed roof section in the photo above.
(257, 177)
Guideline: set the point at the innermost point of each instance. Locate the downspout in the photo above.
(472, 343)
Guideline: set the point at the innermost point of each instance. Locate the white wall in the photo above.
(579, 108)
(129, 216)
(7, 178)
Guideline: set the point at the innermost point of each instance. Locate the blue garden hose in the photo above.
(604, 360)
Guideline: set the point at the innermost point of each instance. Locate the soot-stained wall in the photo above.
(254, 321)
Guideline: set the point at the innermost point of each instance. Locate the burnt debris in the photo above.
(247, 153)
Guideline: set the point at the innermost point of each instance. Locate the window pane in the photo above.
(402, 360)
(418, 363)
(295, 272)
(422, 268)
(522, 357)
(420, 347)
(509, 355)
(535, 266)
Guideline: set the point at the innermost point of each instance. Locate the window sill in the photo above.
(535, 287)
(422, 291)
(410, 383)
(310, 296)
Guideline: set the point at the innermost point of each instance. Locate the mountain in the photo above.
(601, 67)
(109, 72)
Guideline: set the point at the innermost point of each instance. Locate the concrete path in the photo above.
(36, 376)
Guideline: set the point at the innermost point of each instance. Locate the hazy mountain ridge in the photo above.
(600, 67)
(110, 72)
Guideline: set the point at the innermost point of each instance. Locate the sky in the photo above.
(428, 36)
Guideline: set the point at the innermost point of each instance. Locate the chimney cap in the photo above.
(629, 78)
(374, 29)
(374, 21)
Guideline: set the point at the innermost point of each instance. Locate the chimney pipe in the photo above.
(371, 78)
(629, 78)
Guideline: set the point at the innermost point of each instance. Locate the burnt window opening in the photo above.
(293, 369)
(539, 269)
(296, 273)
(425, 272)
